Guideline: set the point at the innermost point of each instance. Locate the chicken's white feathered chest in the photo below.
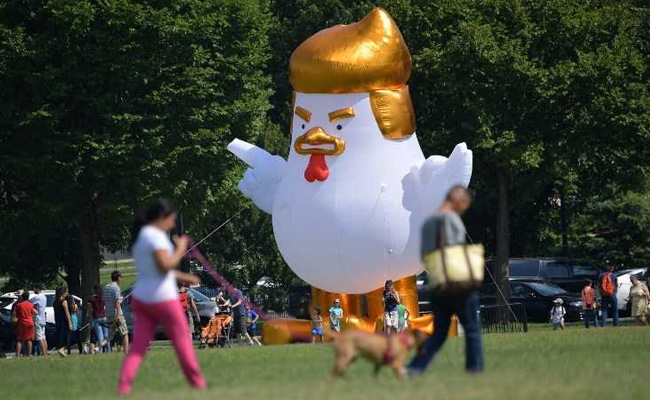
(351, 232)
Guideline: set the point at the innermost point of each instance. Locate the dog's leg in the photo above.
(343, 361)
(377, 369)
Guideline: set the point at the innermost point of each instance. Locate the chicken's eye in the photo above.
(339, 127)
(303, 126)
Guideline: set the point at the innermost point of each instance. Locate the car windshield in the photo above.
(198, 296)
(6, 301)
(546, 289)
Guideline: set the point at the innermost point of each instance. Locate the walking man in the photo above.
(448, 222)
(40, 303)
(114, 316)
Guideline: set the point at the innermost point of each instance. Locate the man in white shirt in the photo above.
(40, 303)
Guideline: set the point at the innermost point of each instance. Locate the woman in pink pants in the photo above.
(155, 298)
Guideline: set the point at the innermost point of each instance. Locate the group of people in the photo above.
(105, 321)
(607, 285)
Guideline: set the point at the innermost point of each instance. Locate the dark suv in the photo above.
(566, 273)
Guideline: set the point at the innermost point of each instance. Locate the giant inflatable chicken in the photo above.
(349, 201)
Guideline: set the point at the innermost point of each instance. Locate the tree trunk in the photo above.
(502, 274)
(72, 278)
(565, 223)
(89, 248)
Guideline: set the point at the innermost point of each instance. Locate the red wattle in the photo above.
(317, 168)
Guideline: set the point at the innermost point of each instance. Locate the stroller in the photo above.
(218, 331)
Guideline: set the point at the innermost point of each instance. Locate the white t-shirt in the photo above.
(152, 285)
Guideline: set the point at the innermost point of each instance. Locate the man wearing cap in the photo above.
(336, 314)
(557, 314)
(114, 316)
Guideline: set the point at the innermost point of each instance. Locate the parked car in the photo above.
(205, 306)
(624, 286)
(537, 296)
(566, 273)
(7, 331)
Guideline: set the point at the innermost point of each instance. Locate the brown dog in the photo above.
(381, 350)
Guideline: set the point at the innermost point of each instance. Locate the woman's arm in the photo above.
(67, 314)
(188, 279)
(166, 262)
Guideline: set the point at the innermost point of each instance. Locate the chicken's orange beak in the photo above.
(317, 141)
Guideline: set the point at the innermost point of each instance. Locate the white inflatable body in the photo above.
(361, 225)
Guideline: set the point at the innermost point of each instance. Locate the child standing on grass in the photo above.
(336, 315)
(317, 325)
(557, 314)
(589, 304)
(403, 316)
(155, 298)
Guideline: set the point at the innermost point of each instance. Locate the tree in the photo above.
(108, 104)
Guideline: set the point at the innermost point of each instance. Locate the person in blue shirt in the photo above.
(251, 326)
(336, 315)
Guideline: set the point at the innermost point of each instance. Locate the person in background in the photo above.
(24, 314)
(390, 300)
(608, 285)
(336, 315)
(100, 327)
(251, 326)
(448, 221)
(40, 304)
(75, 332)
(189, 307)
(557, 314)
(62, 320)
(589, 304)
(403, 316)
(238, 312)
(317, 325)
(639, 296)
(114, 316)
(222, 303)
(155, 295)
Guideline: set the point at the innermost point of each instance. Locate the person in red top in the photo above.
(189, 306)
(24, 315)
(589, 303)
(100, 325)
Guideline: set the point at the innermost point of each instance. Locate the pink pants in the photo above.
(171, 317)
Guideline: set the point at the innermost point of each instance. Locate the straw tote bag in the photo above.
(455, 270)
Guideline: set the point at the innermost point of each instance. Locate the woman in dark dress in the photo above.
(62, 320)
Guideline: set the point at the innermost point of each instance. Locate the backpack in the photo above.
(607, 287)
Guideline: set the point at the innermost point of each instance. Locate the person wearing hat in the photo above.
(557, 314)
(114, 316)
(336, 315)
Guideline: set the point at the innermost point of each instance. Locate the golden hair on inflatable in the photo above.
(366, 56)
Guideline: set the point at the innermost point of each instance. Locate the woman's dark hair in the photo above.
(158, 208)
(25, 295)
(59, 292)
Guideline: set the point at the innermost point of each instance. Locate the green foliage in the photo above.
(107, 104)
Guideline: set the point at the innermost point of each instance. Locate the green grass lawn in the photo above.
(575, 364)
(129, 273)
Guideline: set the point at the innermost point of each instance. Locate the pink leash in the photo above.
(194, 252)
